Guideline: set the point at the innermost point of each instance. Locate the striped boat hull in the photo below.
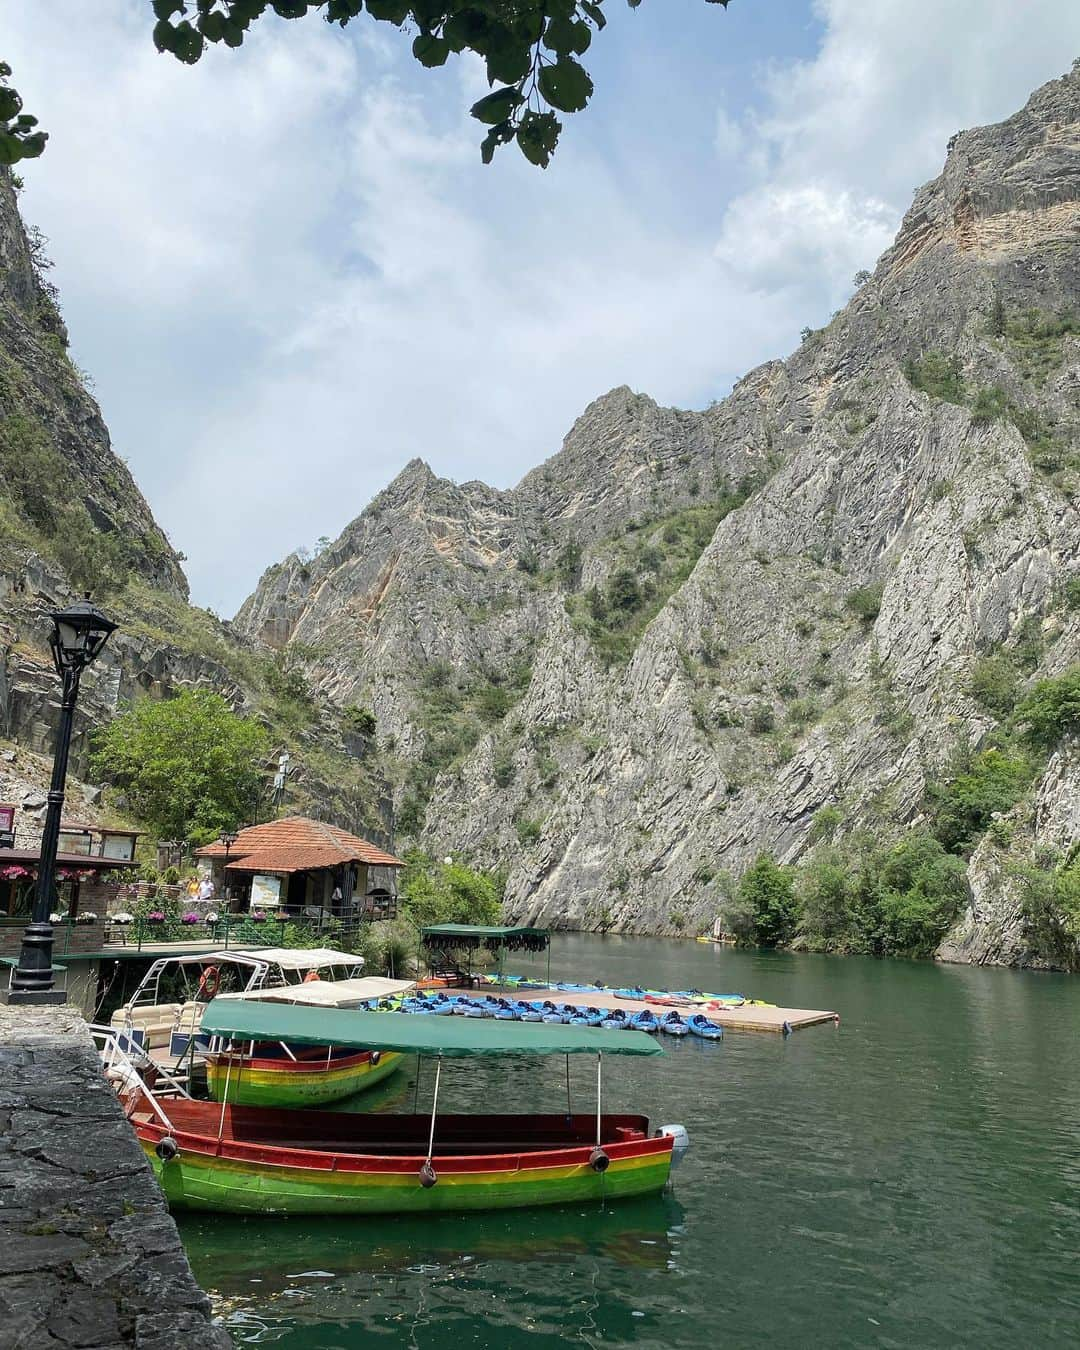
(245, 1172)
(245, 1080)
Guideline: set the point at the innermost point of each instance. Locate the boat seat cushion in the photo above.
(156, 1021)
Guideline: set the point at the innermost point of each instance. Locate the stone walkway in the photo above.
(89, 1255)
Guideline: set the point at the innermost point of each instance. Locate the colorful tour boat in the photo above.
(240, 1159)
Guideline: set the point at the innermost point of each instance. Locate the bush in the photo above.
(865, 601)
(896, 900)
(440, 892)
(503, 771)
(1051, 709)
(360, 721)
(990, 405)
(962, 806)
(765, 910)
(938, 375)
(528, 829)
(623, 591)
(762, 718)
(1051, 910)
(994, 682)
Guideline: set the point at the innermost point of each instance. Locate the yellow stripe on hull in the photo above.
(292, 1086)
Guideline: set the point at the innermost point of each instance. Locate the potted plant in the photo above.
(257, 916)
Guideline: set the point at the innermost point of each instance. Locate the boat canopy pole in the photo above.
(428, 1175)
(599, 1085)
(225, 1097)
(598, 1159)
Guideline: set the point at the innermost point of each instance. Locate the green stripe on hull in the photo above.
(191, 1182)
(262, 1087)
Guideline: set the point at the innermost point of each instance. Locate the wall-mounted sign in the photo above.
(118, 846)
(265, 892)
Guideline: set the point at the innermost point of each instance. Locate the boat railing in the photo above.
(124, 1063)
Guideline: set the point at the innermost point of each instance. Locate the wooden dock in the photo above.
(748, 1017)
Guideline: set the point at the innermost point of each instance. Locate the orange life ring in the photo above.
(312, 975)
(209, 982)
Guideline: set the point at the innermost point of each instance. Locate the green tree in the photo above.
(189, 766)
(766, 908)
(1052, 709)
(1051, 909)
(448, 892)
(962, 805)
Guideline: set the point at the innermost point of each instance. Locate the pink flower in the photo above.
(156, 916)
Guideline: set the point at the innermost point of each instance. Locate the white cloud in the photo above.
(844, 138)
(289, 273)
(803, 238)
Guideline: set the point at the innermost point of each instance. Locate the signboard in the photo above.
(118, 846)
(74, 841)
(265, 892)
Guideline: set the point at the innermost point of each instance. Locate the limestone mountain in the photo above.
(690, 637)
(72, 519)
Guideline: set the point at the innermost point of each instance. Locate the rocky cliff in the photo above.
(682, 637)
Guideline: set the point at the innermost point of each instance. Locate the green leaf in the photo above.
(393, 11)
(212, 26)
(537, 137)
(10, 103)
(594, 12)
(430, 50)
(565, 85)
(508, 59)
(496, 107)
(341, 11)
(165, 9)
(566, 36)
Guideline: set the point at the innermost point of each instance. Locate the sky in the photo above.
(287, 272)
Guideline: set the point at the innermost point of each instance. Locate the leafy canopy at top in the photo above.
(189, 766)
(530, 49)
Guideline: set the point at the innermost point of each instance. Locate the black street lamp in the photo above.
(228, 839)
(79, 633)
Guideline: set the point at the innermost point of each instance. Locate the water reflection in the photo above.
(410, 1269)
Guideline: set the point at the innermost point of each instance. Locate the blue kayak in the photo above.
(673, 1025)
(701, 1026)
(645, 1021)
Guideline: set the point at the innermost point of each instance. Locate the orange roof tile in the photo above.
(298, 836)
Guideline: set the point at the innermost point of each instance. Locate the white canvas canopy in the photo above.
(300, 958)
(330, 993)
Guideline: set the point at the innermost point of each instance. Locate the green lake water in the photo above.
(909, 1178)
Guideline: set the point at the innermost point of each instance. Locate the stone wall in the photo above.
(90, 1254)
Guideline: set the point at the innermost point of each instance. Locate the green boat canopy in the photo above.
(413, 1033)
(469, 935)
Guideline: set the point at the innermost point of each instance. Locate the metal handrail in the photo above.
(113, 1055)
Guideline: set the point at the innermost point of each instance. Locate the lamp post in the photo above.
(79, 634)
(228, 839)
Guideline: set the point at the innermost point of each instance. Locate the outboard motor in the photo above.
(681, 1142)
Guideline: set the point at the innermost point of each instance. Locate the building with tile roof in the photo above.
(298, 864)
